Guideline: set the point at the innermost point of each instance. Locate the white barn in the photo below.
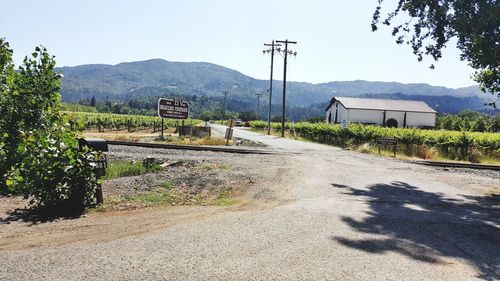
(390, 113)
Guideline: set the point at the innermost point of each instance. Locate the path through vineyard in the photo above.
(343, 216)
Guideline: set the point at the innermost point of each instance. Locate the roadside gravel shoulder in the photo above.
(260, 181)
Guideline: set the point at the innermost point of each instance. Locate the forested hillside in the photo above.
(160, 78)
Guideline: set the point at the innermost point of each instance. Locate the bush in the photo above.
(40, 158)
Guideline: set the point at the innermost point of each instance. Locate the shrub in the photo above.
(39, 157)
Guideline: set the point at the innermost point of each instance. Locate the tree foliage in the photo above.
(469, 120)
(428, 25)
(39, 157)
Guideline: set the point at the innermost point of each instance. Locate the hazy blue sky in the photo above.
(334, 37)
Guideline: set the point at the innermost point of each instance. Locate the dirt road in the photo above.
(343, 216)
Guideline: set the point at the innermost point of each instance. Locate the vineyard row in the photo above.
(455, 143)
(107, 121)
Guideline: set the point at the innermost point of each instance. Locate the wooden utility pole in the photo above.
(224, 112)
(287, 52)
(274, 47)
(258, 105)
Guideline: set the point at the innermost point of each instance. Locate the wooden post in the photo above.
(190, 130)
(98, 194)
(229, 130)
(162, 128)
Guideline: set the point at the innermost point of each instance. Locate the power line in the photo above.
(274, 47)
(286, 53)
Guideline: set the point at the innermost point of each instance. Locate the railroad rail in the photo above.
(191, 147)
(459, 165)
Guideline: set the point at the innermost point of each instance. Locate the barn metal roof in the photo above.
(383, 104)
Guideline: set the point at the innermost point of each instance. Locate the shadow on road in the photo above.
(428, 226)
(35, 217)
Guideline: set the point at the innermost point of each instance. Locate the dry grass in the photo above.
(365, 148)
(427, 153)
(148, 136)
(193, 141)
(122, 135)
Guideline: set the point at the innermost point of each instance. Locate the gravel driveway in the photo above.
(340, 216)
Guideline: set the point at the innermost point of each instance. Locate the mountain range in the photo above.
(157, 77)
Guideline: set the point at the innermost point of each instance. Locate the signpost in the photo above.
(229, 131)
(172, 108)
(387, 142)
(344, 124)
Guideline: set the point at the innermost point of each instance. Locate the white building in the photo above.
(390, 113)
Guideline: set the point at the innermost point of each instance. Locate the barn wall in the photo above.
(366, 116)
(343, 114)
(414, 119)
(328, 113)
(398, 115)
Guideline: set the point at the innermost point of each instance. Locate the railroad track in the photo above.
(459, 165)
(191, 147)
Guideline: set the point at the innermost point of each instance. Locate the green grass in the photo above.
(168, 185)
(224, 199)
(155, 198)
(172, 198)
(118, 169)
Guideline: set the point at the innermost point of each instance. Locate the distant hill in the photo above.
(158, 77)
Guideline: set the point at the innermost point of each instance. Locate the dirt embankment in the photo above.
(255, 181)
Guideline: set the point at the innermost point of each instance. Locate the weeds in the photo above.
(155, 198)
(224, 198)
(428, 153)
(168, 185)
(118, 169)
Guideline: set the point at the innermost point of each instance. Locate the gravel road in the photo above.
(340, 216)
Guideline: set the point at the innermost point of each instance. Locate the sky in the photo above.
(334, 37)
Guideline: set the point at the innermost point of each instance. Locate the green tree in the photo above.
(428, 25)
(315, 119)
(92, 101)
(247, 116)
(39, 157)
(479, 125)
(206, 116)
(458, 124)
(494, 123)
(7, 140)
(469, 114)
(446, 122)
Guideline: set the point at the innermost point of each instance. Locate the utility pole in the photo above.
(274, 47)
(287, 52)
(224, 112)
(258, 105)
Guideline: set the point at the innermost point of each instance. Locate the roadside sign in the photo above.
(343, 124)
(231, 122)
(229, 134)
(387, 141)
(173, 108)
